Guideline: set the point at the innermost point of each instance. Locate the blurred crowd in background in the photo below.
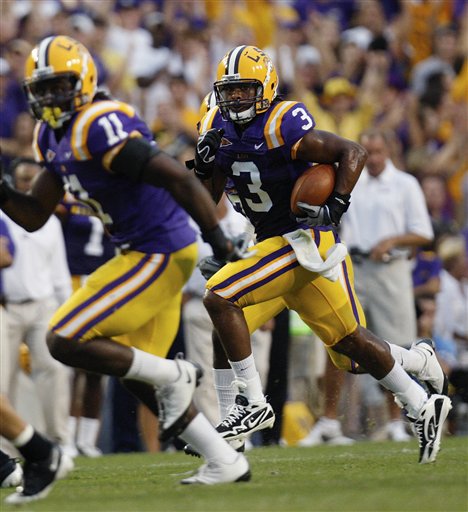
(398, 66)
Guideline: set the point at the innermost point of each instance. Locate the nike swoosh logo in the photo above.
(258, 146)
(253, 422)
(433, 425)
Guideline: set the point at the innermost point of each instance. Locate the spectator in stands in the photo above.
(10, 108)
(439, 205)
(20, 144)
(342, 114)
(444, 59)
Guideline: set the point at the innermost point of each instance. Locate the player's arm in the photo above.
(215, 185)
(31, 211)
(325, 147)
(140, 161)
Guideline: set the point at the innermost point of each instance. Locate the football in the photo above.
(313, 186)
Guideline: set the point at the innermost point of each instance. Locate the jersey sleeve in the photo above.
(287, 123)
(102, 129)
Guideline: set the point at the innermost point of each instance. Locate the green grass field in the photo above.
(363, 477)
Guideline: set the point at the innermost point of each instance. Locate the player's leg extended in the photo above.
(332, 318)
(122, 296)
(255, 316)
(261, 279)
(155, 337)
(270, 273)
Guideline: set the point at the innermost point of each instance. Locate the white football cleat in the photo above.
(429, 425)
(93, 452)
(245, 418)
(174, 399)
(328, 431)
(431, 374)
(214, 472)
(237, 444)
(396, 431)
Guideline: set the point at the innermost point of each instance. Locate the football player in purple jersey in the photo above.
(260, 144)
(103, 153)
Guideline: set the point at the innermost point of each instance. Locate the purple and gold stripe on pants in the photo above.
(265, 270)
(113, 296)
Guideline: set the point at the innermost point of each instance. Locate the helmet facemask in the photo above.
(54, 98)
(239, 99)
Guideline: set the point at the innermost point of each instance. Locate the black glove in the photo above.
(205, 152)
(225, 249)
(209, 266)
(327, 215)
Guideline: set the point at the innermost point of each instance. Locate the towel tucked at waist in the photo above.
(309, 257)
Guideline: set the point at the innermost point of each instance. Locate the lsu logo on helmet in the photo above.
(60, 79)
(246, 83)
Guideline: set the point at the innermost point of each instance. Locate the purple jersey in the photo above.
(259, 163)
(88, 245)
(138, 216)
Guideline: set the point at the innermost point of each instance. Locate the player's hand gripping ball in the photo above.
(314, 200)
(313, 187)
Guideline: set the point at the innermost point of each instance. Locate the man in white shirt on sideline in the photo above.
(386, 221)
(36, 283)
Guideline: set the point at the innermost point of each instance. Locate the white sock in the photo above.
(405, 389)
(225, 392)
(246, 372)
(203, 437)
(88, 429)
(24, 437)
(72, 427)
(411, 360)
(153, 370)
(245, 369)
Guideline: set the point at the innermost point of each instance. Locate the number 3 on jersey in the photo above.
(260, 201)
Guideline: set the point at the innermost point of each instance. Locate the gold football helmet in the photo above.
(60, 79)
(209, 101)
(246, 84)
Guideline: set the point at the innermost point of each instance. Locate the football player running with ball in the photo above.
(259, 145)
(100, 151)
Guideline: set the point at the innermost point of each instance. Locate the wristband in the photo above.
(343, 199)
